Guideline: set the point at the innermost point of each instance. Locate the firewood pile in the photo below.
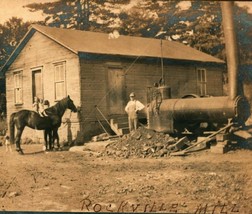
(144, 143)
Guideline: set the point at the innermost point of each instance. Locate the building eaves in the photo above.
(100, 43)
(17, 50)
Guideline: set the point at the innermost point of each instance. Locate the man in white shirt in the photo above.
(132, 109)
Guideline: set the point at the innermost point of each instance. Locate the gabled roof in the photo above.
(91, 42)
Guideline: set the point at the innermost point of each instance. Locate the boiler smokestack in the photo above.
(231, 47)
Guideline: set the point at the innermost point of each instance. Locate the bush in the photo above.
(3, 127)
(2, 106)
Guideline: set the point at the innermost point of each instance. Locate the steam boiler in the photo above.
(191, 112)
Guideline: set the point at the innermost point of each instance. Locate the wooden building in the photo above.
(96, 69)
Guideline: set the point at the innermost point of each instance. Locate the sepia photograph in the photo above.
(126, 106)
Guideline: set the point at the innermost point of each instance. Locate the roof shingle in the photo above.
(93, 42)
(99, 43)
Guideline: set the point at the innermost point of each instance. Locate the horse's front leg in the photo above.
(17, 141)
(56, 137)
(50, 140)
(46, 139)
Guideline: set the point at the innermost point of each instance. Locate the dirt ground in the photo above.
(84, 181)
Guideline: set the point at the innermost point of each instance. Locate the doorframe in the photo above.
(114, 65)
(33, 70)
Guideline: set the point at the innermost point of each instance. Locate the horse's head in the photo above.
(70, 104)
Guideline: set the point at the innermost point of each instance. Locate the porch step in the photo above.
(124, 130)
(120, 119)
(122, 125)
(119, 124)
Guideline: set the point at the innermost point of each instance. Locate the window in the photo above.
(37, 83)
(18, 95)
(201, 80)
(59, 80)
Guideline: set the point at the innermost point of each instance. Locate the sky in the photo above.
(10, 8)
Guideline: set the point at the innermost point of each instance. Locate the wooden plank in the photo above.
(41, 51)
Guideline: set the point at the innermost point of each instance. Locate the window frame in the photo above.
(202, 81)
(19, 86)
(33, 71)
(59, 81)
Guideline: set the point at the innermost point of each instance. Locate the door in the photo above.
(116, 91)
(37, 84)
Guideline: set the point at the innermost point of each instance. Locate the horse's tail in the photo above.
(12, 127)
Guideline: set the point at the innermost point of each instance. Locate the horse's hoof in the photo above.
(20, 152)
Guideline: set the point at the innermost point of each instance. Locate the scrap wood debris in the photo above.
(145, 143)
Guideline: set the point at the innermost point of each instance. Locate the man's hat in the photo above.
(132, 94)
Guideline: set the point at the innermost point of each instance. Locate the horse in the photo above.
(32, 119)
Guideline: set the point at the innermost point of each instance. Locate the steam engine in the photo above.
(192, 113)
(177, 115)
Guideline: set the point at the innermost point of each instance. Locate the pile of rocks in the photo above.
(144, 143)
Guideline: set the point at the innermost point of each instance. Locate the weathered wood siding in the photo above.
(89, 82)
(93, 92)
(181, 79)
(42, 52)
(138, 77)
(215, 81)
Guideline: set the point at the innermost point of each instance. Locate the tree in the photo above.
(2, 106)
(11, 32)
(204, 31)
(146, 19)
(198, 26)
(243, 22)
(95, 15)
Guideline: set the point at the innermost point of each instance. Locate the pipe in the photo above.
(231, 47)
